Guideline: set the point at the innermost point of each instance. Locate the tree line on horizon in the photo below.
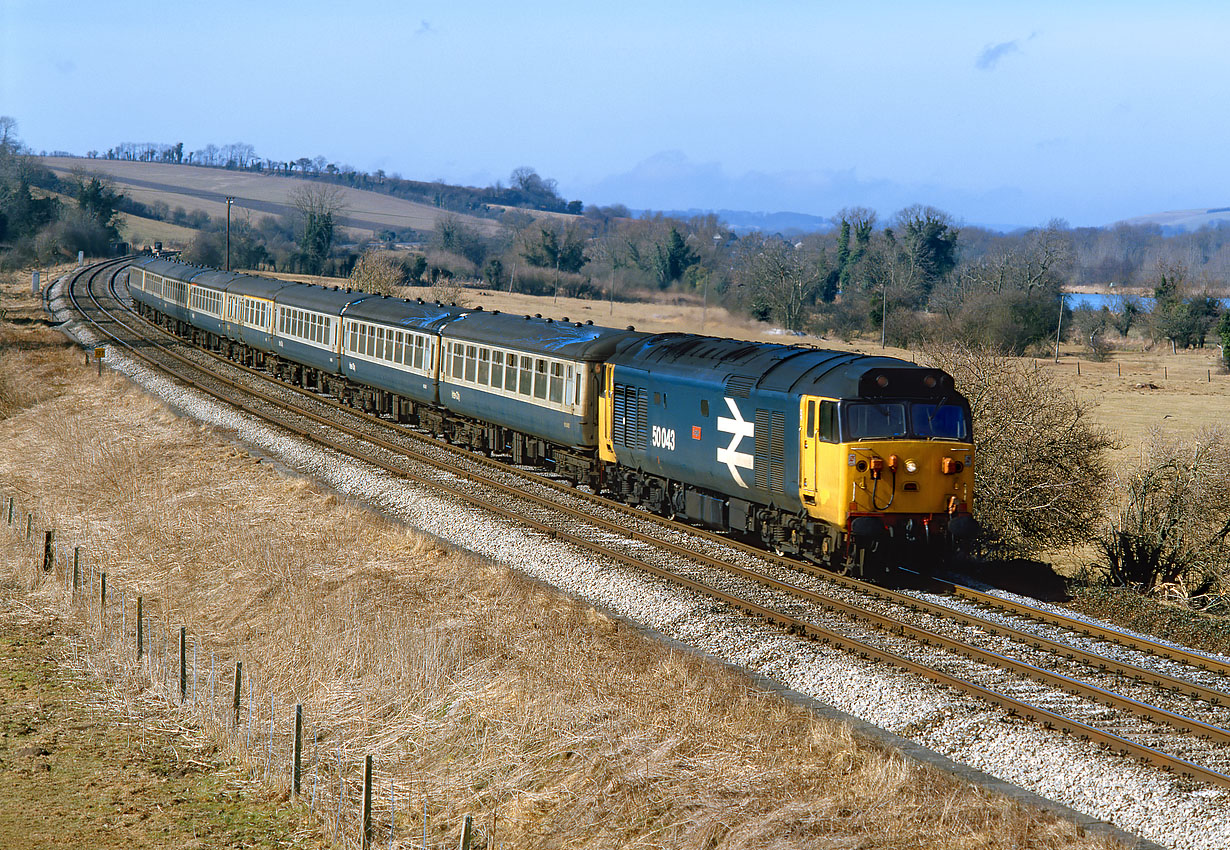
(915, 276)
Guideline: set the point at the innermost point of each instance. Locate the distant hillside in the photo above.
(1183, 221)
(197, 188)
(742, 221)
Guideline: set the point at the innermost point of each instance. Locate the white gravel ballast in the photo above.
(1099, 785)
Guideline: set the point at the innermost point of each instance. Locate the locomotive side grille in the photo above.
(762, 449)
(777, 454)
(619, 427)
(642, 419)
(739, 386)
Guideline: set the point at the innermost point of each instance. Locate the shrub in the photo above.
(1040, 466)
(1169, 534)
(378, 272)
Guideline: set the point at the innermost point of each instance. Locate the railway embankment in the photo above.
(490, 693)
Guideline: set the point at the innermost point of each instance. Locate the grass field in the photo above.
(487, 694)
(195, 188)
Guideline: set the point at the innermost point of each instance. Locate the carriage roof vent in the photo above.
(589, 321)
(495, 312)
(550, 320)
(538, 315)
(478, 309)
(564, 319)
(576, 324)
(631, 327)
(420, 300)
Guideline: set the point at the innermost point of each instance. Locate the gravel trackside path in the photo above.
(1098, 785)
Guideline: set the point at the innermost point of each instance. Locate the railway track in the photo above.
(1175, 719)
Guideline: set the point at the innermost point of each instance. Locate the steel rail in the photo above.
(1141, 644)
(1097, 660)
(794, 624)
(1065, 683)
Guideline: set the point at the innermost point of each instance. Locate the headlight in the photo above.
(911, 466)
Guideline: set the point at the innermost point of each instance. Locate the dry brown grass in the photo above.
(476, 690)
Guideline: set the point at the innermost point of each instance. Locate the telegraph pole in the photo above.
(229, 201)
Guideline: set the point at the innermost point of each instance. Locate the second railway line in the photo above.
(707, 556)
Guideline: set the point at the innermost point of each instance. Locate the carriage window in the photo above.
(497, 369)
(811, 420)
(471, 362)
(459, 360)
(527, 377)
(569, 387)
(510, 372)
(379, 343)
(540, 378)
(484, 366)
(557, 383)
(418, 352)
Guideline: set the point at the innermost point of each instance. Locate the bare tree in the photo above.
(783, 279)
(317, 207)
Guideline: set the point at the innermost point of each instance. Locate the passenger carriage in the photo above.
(537, 379)
(308, 332)
(392, 344)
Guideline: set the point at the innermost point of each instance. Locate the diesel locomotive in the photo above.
(854, 462)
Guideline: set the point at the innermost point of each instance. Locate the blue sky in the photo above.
(1002, 114)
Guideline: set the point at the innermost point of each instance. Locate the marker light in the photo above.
(911, 466)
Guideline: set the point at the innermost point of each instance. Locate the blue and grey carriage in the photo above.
(534, 381)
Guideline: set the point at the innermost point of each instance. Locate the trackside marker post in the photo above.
(367, 803)
(183, 664)
(140, 628)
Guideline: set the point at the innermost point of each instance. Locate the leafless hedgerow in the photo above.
(1040, 466)
(1169, 535)
(378, 272)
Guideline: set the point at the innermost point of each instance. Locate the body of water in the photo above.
(1075, 300)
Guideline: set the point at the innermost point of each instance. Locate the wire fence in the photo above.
(131, 640)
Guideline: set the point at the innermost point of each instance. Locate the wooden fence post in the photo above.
(140, 628)
(29, 526)
(183, 664)
(102, 599)
(467, 827)
(238, 693)
(298, 749)
(76, 568)
(48, 547)
(10, 510)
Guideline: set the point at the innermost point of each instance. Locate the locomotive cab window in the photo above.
(875, 420)
(941, 421)
(827, 425)
(704, 407)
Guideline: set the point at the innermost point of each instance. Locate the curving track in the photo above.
(1160, 704)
